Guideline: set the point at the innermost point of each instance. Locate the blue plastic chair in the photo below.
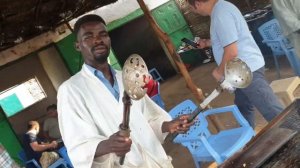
(64, 154)
(28, 163)
(205, 146)
(155, 75)
(157, 98)
(34, 164)
(59, 163)
(273, 37)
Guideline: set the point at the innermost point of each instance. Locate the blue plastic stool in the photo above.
(205, 146)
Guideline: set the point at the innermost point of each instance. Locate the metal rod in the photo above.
(201, 107)
(124, 127)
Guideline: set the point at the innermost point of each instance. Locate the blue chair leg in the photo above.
(277, 66)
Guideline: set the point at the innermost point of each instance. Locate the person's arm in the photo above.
(42, 147)
(226, 29)
(230, 52)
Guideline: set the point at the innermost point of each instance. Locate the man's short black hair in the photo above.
(85, 19)
(51, 107)
(192, 2)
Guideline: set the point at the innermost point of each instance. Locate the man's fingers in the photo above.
(121, 152)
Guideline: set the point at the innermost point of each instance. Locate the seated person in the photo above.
(33, 146)
(50, 126)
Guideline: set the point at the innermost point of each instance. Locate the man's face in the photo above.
(93, 42)
(199, 7)
(52, 113)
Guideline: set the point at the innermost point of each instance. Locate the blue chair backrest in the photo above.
(158, 100)
(64, 154)
(270, 30)
(280, 45)
(155, 74)
(200, 126)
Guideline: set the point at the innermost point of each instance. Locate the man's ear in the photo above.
(77, 47)
(197, 3)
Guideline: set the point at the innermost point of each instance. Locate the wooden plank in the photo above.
(23, 49)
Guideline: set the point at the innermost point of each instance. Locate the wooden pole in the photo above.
(197, 92)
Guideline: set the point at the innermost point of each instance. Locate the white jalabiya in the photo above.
(88, 114)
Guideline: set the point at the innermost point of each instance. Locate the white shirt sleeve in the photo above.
(226, 27)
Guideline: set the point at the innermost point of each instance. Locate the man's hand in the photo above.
(203, 43)
(218, 75)
(116, 143)
(53, 144)
(178, 125)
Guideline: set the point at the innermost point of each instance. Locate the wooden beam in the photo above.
(34, 44)
(197, 92)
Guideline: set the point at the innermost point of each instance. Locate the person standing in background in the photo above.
(230, 37)
(287, 12)
(50, 126)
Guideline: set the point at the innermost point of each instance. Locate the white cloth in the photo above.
(88, 114)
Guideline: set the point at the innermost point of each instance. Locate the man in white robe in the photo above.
(287, 12)
(90, 110)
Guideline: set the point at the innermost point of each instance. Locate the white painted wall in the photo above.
(121, 9)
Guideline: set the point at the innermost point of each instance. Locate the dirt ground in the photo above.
(174, 91)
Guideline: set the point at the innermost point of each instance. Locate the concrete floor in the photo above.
(174, 91)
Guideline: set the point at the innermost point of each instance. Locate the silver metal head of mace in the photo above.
(237, 73)
(135, 76)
